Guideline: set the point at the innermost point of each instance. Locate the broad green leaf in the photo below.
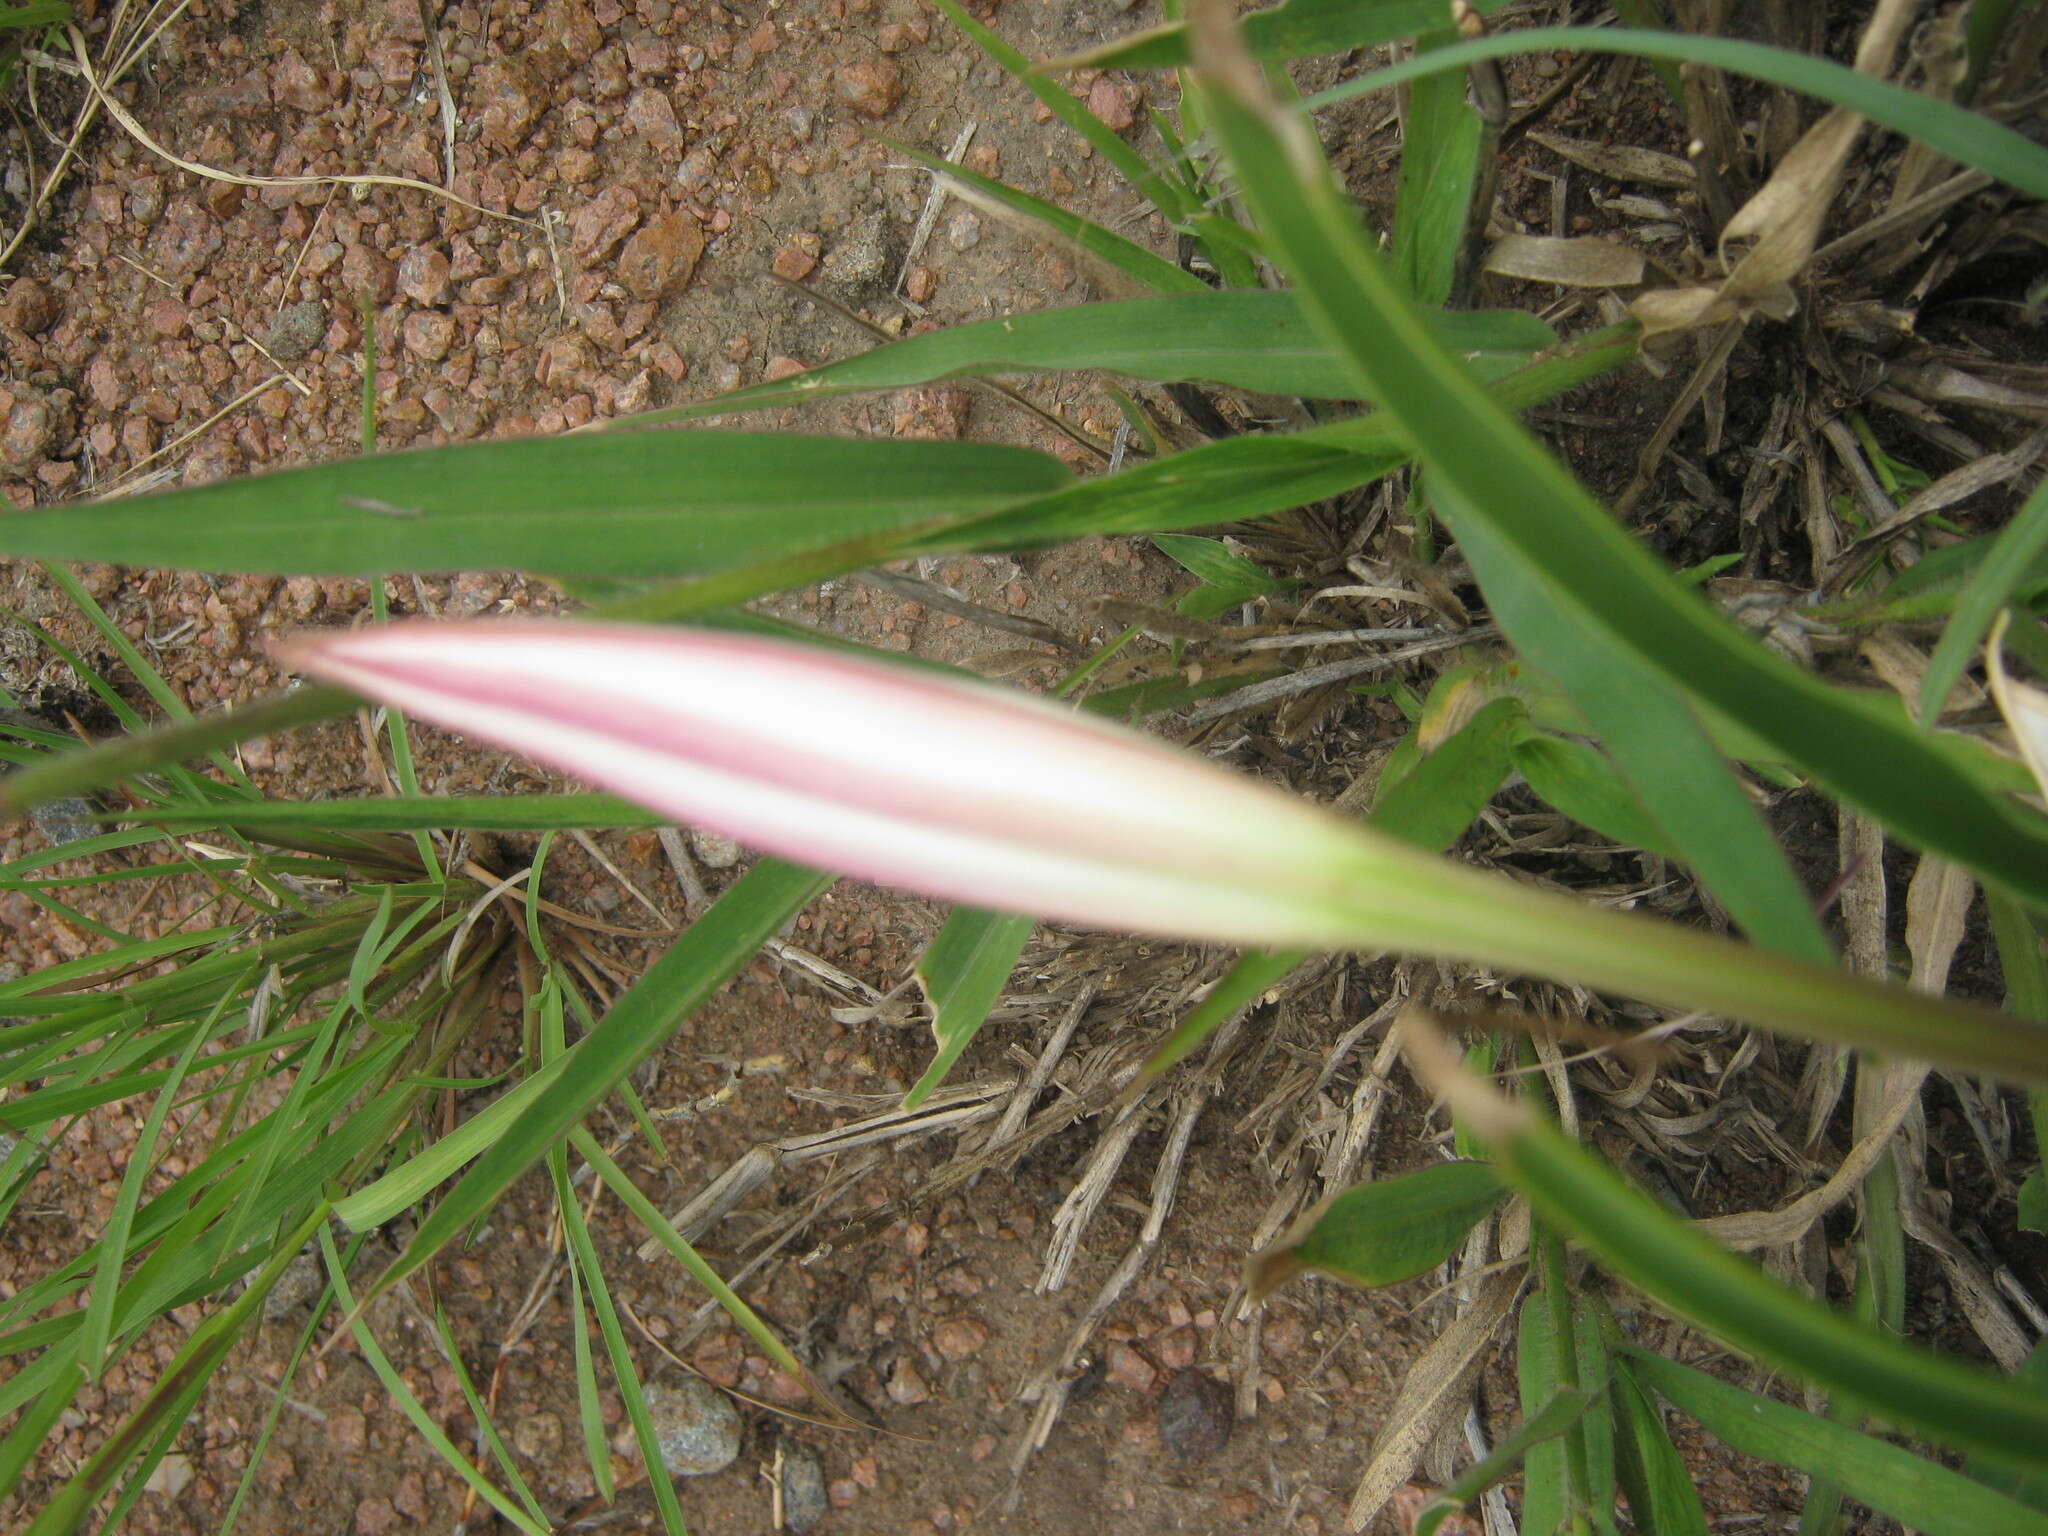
(1251, 339)
(600, 504)
(1289, 31)
(1660, 1490)
(1439, 796)
(1686, 1272)
(1920, 1493)
(1580, 781)
(963, 972)
(1523, 508)
(2030, 1490)
(1386, 1231)
(1440, 149)
(2005, 566)
(1546, 1482)
(1954, 131)
(1228, 579)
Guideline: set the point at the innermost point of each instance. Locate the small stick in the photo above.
(928, 216)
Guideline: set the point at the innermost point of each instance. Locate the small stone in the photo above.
(906, 1386)
(1194, 1416)
(714, 849)
(696, 1427)
(959, 1337)
(28, 306)
(919, 284)
(804, 1498)
(429, 334)
(366, 274)
(423, 275)
(1128, 1368)
(376, 1517)
(963, 229)
(507, 101)
(797, 260)
(295, 83)
(902, 36)
(653, 116)
(662, 257)
(346, 1430)
(171, 1476)
(302, 1281)
(29, 422)
(596, 228)
(1114, 101)
(538, 1435)
(872, 88)
(296, 330)
(862, 255)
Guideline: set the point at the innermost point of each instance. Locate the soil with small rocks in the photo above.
(629, 178)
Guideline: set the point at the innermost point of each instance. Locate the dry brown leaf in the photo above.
(1436, 1388)
(1785, 216)
(1621, 162)
(1584, 261)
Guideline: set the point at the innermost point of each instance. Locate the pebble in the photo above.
(67, 819)
(714, 850)
(661, 257)
(696, 1427)
(297, 1288)
(29, 421)
(538, 1435)
(506, 99)
(1114, 101)
(804, 1498)
(1194, 1416)
(872, 87)
(959, 1337)
(906, 1387)
(297, 330)
(862, 255)
(423, 275)
(963, 229)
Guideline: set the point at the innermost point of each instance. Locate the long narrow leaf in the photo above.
(1499, 473)
(2005, 566)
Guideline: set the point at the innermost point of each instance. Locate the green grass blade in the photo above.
(113, 1239)
(1960, 134)
(1660, 1491)
(593, 504)
(1546, 1479)
(583, 1253)
(1497, 472)
(1580, 781)
(1662, 752)
(1156, 188)
(707, 955)
(589, 1410)
(1558, 1414)
(2019, 545)
(1144, 267)
(963, 972)
(1920, 1493)
(1440, 149)
(508, 1467)
(407, 1403)
(1684, 1271)
(1252, 340)
(412, 813)
(1289, 31)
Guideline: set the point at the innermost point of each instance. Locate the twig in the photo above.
(1330, 672)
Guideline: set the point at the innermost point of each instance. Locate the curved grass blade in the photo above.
(707, 955)
(1289, 31)
(1154, 186)
(1964, 136)
(1127, 256)
(2019, 544)
(1244, 339)
(1920, 1493)
(1686, 1272)
(592, 504)
(1558, 1414)
(1495, 471)
(1660, 749)
(1383, 1232)
(1660, 1490)
(963, 972)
